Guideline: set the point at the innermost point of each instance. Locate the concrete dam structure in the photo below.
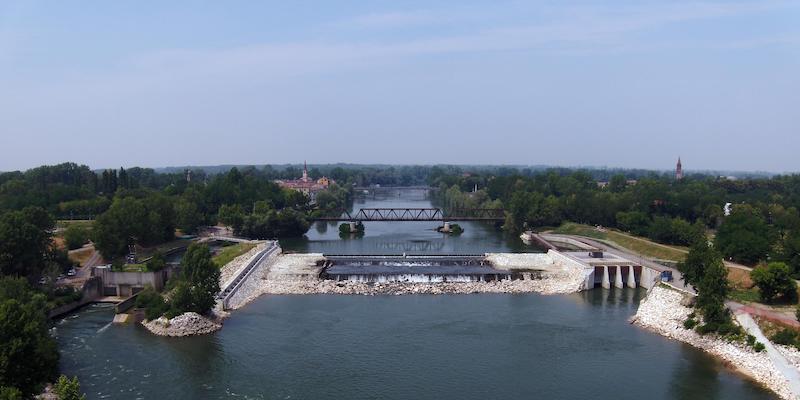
(417, 269)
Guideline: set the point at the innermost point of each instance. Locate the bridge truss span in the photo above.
(418, 214)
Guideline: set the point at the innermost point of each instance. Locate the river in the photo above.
(401, 347)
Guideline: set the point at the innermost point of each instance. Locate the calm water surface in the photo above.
(461, 347)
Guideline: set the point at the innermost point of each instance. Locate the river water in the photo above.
(401, 347)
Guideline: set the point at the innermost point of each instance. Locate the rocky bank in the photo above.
(662, 312)
(186, 324)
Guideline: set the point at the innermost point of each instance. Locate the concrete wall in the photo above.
(91, 291)
(566, 261)
(129, 283)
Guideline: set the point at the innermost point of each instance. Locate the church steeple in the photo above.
(305, 171)
(679, 170)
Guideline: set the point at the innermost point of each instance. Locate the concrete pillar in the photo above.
(589, 282)
(631, 277)
(618, 278)
(606, 282)
(352, 226)
(446, 226)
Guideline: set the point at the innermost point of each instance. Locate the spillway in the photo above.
(417, 269)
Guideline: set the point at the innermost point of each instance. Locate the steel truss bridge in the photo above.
(418, 214)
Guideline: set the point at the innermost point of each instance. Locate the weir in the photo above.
(418, 269)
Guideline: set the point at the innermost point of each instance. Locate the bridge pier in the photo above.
(446, 227)
(631, 277)
(353, 226)
(618, 278)
(606, 283)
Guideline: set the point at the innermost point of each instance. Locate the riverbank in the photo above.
(662, 312)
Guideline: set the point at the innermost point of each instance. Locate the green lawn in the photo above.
(635, 244)
(745, 295)
(230, 252)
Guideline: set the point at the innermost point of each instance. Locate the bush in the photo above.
(751, 340)
(75, 236)
(759, 347)
(69, 389)
(690, 323)
(156, 263)
(152, 302)
(775, 281)
(10, 393)
(786, 337)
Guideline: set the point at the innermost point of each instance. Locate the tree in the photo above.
(25, 242)
(69, 389)
(745, 237)
(200, 277)
(146, 221)
(232, 215)
(187, 216)
(704, 270)
(76, 236)
(775, 281)
(156, 262)
(10, 393)
(28, 354)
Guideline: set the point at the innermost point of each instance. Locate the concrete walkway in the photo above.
(778, 360)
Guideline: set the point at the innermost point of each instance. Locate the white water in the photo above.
(415, 278)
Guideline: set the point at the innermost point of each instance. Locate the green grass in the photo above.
(86, 224)
(745, 295)
(230, 252)
(134, 268)
(635, 244)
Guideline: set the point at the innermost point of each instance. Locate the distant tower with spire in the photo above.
(305, 172)
(679, 170)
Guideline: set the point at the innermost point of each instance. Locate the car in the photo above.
(71, 272)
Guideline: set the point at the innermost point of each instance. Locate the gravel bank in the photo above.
(228, 270)
(186, 324)
(542, 286)
(662, 313)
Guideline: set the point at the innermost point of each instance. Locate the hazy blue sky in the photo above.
(624, 84)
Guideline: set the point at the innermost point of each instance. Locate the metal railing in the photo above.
(227, 293)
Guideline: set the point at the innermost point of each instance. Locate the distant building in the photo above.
(679, 170)
(305, 184)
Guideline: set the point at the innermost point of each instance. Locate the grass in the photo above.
(745, 295)
(134, 268)
(86, 224)
(81, 255)
(230, 252)
(635, 244)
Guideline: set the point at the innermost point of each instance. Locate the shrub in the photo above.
(156, 263)
(786, 337)
(75, 236)
(759, 347)
(152, 302)
(69, 389)
(751, 340)
(690, 323)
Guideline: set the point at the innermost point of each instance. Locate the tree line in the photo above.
(761, 222)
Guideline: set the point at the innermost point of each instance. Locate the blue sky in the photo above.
(618, 84)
